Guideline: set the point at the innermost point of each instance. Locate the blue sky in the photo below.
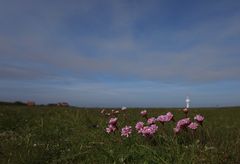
(120, 53)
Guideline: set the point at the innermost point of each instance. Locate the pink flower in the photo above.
(110, 128)
(193, 126)
(151, 120)
(170, 116)
(113, 121)
(162, 118)
(183, 123)
(145, 131)
(126, 131)
(165, 118)
(199, 119)
(139, 126)
(149, 130)
(112, 125)
(144, 113)
(154, 128)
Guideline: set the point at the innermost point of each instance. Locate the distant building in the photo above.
(63, 104)
(31, 103)
(51, 104)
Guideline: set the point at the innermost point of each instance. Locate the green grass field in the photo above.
(71, 135)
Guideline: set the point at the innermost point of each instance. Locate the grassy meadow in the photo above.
(72, 135)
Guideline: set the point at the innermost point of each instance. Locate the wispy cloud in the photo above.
(119, 41)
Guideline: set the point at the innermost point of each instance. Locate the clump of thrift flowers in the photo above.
(183, 123)
(112, 125)
(170, 116)
(199, 119)
(165, 118)
(143, 112)
(111, 128)
(139, 126)
(193, 126)
(126, 131)
(149, 127)
(113, 121)
(148, 131)
(151, 120)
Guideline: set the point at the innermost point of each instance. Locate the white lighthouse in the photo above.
(187, 102)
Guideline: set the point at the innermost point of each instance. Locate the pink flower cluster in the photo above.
(193, 125)
(186, 123)
(111, 128)
(112, 125)
(126, 131)
(151, 121)
(165, 118)
(150, 128)
(199, 119)
(113, 121)
(183, 122)
(139, 126)
(143, 113)
(146, 131)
